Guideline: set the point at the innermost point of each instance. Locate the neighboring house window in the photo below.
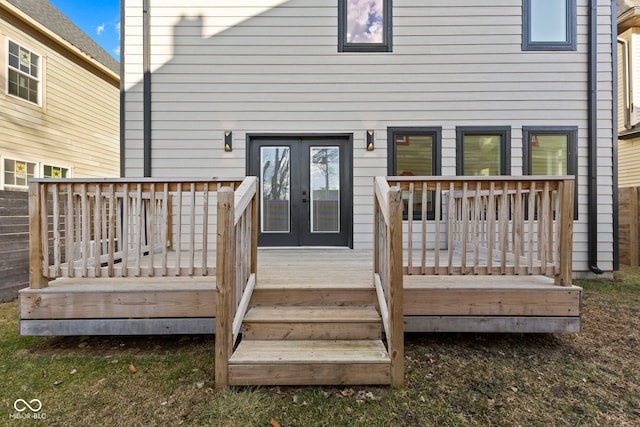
(16, 174)
(483, 151)
(551, 151)
(55, 172)
(364, 25)
(548, 25)
(24, 73)
(415, 152)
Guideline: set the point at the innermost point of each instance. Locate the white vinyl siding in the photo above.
(274, 68)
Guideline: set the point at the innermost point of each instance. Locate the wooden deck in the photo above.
(154, 256)
(299, 277)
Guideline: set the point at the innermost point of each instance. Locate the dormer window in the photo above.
(364, 25)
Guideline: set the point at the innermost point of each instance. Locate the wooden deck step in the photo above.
(314, 323)
(299, 294)
(309, 362)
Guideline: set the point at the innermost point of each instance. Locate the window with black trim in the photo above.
(23, 73)
(483, 150)
(551, 151)
(415, 151)
(549, 25)
(364, 25)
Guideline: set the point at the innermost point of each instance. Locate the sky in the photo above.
(100, 19)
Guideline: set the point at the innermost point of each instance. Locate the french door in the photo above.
(305, 190)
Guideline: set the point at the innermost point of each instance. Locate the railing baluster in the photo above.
(436, 255)
(151, 226)
(503, 225)
(451, 221)
(165, 224)
(86, 237)
(518, 217)
(205, 228)
(476, 228)
(69, 230)
(465, 218)
(57, 242)
(424, 213)
(192, 229)
(178, 239)
(111, 246)
(491, 229)
(543, 219)
(97, 227)
(531, 231)
(410, 229)
(126, 224)
(138, 231)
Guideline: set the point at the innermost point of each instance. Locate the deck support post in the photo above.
(396, 317)
(225, 285)
(566, 233)
(37, 280)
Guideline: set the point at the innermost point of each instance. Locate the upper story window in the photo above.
(364, 25)
(483, 150)
(23, 73)
(548, 25)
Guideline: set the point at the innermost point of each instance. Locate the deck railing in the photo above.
(236, 260)
(387, 262)
(488, 225)
(143, 227)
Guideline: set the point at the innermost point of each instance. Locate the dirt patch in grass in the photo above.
(590, 378)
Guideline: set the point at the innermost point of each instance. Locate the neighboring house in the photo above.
(629, 129)
(316, 98)
(59, 115)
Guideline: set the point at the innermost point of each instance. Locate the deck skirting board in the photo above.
(492, 324)
(185, 326)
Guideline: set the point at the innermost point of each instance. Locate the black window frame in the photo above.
(436, 155)
(345, 46)
(572, 152)
(571, 33)
(505, 152)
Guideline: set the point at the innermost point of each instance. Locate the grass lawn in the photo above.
(591, 378)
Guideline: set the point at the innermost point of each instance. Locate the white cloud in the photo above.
(364, 21)
(117, 51)
(117, 28)
(100, 29)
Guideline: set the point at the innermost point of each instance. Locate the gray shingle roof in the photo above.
(624, 5)
(50, 17)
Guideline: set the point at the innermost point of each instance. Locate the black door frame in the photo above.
(346, 173)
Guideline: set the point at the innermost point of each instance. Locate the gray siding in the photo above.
(275, 68)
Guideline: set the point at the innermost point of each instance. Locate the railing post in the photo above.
(566, 237)
(225, 285)
(396, 309)
(255, 204)
(37, 280)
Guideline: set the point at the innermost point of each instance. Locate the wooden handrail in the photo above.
(236, 275)
(387, 205)
(121, 227)
(492, 225)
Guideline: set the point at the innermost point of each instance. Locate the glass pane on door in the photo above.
(275, 189)
(325, 189)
